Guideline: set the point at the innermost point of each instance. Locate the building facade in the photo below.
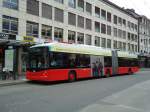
(143, 38)
(92, 22)
(144, 41)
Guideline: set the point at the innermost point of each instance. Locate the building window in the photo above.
(124, 46)
(97, 12)
(32, 29)
(120, 21)
(88, 8)
(124, 34)
(88, 24)
(58, 34)
(129, 24)
(47, 32)
(129, 48)
(132, 26)
(120, 45)
(10, 25)
(129, 36)
(80, 38)
(60, 1)
(80, 21)
(108, 43)
(71, 36)
(108, 30)
(97, 27)
(103, 44)
(103, 28)
(136, 39)
(109, 16)
(59, 15)
(71, 19)
(33, 7)
(115, 19)
(136, 50)
(72, 3)
(136, 29)
(115, 44)
(97, 41)
(115, 32)
(81, 5)
(88, 39)
(12, 4)
(46, 11)
(103, 14)
(119, 33)
(124, 22)
(132, 37)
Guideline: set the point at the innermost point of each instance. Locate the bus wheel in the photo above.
(130, 72)
(72, 77)
(107, 73)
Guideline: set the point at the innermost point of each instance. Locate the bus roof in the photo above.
(83, 49)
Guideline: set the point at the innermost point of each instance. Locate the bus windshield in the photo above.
(37, 58)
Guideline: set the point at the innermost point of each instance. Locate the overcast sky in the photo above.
(142, 7)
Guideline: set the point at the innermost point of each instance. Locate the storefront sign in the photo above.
(3, 36)
(28, 39)
(9, 59)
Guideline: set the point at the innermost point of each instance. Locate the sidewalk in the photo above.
(21, 80)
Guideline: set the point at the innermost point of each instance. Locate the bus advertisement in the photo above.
(62, 61)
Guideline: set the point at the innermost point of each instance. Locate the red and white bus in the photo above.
(62, 61)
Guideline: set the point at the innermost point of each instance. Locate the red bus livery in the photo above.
(61, 61)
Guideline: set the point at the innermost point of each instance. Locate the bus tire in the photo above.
(107, 73)
(130, 71)
(72, 76)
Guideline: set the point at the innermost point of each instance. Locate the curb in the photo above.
(2, 84)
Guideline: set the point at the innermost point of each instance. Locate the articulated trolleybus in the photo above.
(62, 61)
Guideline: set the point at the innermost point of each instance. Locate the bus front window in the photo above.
(37, 59)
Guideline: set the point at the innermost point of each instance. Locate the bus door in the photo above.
(97, 66)
(114, 62)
